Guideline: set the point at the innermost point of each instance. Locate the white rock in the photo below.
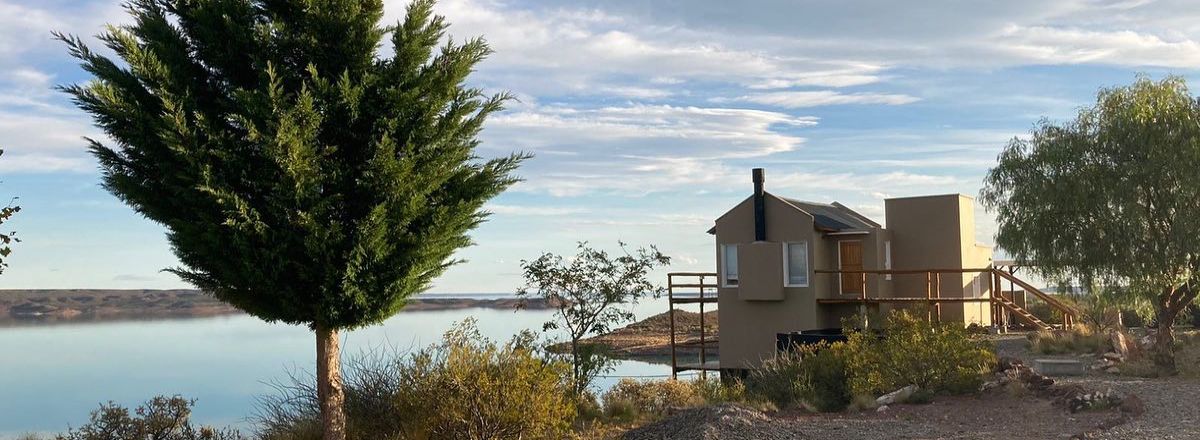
(1112, 370)
(881, 408)
(899, 395)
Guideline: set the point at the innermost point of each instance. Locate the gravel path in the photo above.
(1172, 407)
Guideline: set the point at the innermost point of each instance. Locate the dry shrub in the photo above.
(465, 388)
(631, 399)
(1078, 341)
(813, 375)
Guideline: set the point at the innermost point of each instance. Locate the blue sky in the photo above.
(645, 117)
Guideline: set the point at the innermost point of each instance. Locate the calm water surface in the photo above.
(51, 376)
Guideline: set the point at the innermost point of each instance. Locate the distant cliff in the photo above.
(55, 305)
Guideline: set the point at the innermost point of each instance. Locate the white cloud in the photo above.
(816, 98)
(1121, 47)
(540, 211)
(639, 130)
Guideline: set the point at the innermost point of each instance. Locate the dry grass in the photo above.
(1069, 342)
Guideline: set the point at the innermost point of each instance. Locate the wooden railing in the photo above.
(933, 291)
(691, 288)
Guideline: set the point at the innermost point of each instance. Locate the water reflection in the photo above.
(52, 375)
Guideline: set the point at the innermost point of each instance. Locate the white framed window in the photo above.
(795, 264)
(887, 259)
(729, 265)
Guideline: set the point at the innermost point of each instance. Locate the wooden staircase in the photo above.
(1022, 313)
(1068, 313)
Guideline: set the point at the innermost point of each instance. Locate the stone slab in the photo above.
(1059, 367)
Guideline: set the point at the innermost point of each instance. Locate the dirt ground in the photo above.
(1172, 411)
(992, 415)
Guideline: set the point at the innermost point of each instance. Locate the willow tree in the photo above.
(1113, 197)
(303, 174)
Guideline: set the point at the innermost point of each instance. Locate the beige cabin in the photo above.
(786, 265)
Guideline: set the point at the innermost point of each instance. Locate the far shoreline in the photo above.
(19, 307)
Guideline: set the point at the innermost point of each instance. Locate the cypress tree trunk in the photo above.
(329, 384)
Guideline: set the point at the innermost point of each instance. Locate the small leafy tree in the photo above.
(7, 238)
(1111, 196)
(302, 175)
(160, 418)
(589, 292)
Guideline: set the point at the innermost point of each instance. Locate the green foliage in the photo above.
(1110, 196)
(639, 401)
(937, 357)
(302, 175)
(716, 391)
(591, 293)
(467, 387)
(824, 378)
(630, 399)
(1069, 342)
(10, 237)
(161, 418)
(777, 380)
(815, 375)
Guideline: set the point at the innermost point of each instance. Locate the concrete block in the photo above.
(1059, 367)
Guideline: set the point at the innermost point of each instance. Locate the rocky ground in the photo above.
(996, 414)
(1158, 409)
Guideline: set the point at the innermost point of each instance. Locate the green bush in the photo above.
(715, 391)
(638, 401)
(631, 399)
(161, 418)
(937, 357)
(465, 388)
(811, 374)
(824, 383)
(1069, 342)
(777, 380)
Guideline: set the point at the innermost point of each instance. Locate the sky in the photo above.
(645, 117)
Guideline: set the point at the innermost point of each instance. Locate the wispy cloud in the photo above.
(816, 98)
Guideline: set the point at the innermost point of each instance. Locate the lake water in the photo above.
(51, 376)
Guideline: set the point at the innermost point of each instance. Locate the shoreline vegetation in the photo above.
(22, 307)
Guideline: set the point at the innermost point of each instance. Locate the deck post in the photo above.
(671, 318)
(937, 305)
(929, 296)
(703, 375)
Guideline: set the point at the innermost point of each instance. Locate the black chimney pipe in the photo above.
(760, 214)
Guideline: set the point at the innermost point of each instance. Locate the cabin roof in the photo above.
(828, 217)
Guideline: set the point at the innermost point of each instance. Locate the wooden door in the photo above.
(850, 257)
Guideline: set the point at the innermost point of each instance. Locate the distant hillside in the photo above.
(26, 306)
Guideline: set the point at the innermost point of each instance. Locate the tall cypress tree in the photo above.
(303, 174)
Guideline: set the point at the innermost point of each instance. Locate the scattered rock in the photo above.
(1112, 370)
(1124, 345)
(1113, 356)
(897, 396)
(882, 408)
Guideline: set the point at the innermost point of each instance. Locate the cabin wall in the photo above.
(750, 320)
(938, 232)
